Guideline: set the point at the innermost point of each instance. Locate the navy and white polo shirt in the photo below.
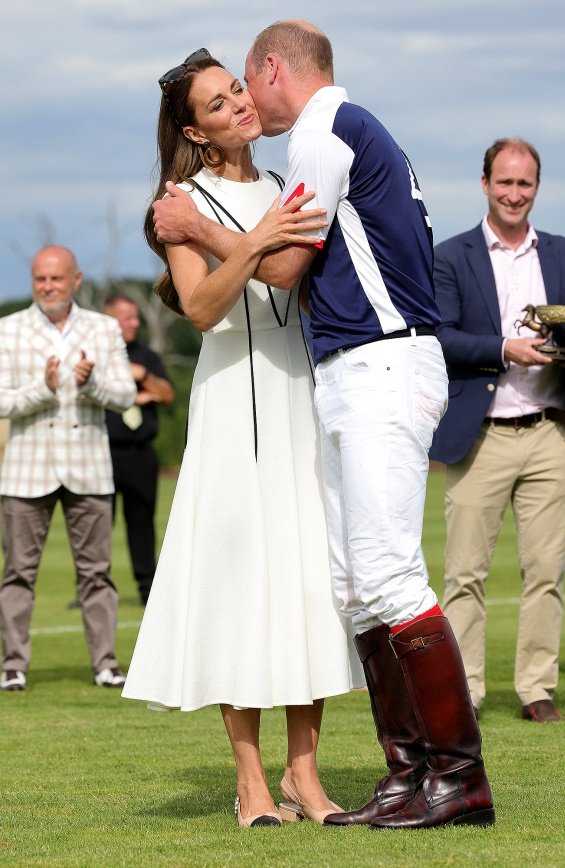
(373, 274)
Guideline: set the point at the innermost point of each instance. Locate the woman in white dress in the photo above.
(241, 612)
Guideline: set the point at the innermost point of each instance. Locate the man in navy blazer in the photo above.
(503, 435)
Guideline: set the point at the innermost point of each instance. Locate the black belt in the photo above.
(530, 419)
(402, 333)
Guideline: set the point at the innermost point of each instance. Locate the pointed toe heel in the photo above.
(296, 809)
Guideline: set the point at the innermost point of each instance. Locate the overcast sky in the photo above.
(79, 102)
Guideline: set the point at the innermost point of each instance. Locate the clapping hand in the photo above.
(83, 369)
(52, 373)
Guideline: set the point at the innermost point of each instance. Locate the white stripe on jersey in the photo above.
(367, 269)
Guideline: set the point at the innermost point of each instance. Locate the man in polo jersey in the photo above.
(381, 389)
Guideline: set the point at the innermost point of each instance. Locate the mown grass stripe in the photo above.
(76, 628)
(128, 625)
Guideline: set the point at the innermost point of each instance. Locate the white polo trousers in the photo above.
(378, 406)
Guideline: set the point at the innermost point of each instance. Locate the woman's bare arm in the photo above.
(207, 297)
(177, 221)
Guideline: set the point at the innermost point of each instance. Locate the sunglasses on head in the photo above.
(177, 72)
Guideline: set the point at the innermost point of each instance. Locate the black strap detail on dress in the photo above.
(281, 322)
(277, 178)
(250, 344)
(214, 202)
(211, 202)
(305, 342)
(280, 182)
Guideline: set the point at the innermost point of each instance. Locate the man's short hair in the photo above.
(305, 48)
(511, 144)
(114, 298)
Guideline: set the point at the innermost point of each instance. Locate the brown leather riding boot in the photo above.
(455, 790)
(397, 730)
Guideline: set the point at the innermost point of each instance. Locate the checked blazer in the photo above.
(60, 439)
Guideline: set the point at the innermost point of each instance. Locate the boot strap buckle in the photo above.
(401, 648)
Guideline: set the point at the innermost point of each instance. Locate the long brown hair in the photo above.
(178, 159)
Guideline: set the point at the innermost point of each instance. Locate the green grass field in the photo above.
(90, 779)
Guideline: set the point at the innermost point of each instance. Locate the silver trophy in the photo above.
(541, 319)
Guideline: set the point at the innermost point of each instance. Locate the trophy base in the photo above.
(557, 353)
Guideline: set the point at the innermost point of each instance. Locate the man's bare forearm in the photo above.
(177, 221)
(213, 237)
(276, 268)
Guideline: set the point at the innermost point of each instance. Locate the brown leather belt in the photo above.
(530, 419)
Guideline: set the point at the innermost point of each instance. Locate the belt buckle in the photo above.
(535, 418)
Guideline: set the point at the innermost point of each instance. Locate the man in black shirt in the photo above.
(131, 434)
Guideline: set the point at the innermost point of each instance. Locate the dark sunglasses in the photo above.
(177, 72)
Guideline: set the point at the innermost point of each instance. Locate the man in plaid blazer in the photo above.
(60, 367)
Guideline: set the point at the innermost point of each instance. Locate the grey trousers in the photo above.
(25, 523)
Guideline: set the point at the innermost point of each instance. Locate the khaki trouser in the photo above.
(524, 467)
(25, 523)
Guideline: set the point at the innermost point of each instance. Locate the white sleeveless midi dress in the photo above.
(241, 610)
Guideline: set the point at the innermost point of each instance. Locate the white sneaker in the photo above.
(12, 679)
(110, 678)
